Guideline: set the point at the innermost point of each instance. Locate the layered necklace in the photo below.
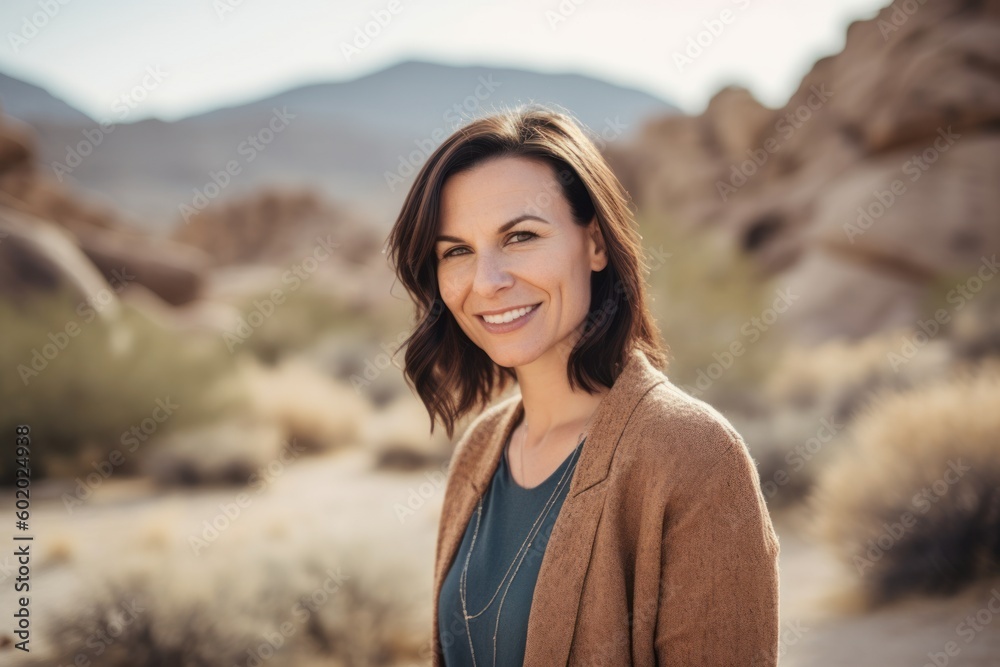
(518, 557)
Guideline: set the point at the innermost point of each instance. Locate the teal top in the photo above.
(506, 519)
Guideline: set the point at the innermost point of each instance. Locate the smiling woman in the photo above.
(498, 220)
(532, 270)
(601, 515)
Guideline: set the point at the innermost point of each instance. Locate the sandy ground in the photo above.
(337, 499)
(910, 633)
(332, 510)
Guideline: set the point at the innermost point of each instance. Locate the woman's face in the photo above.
(507, 241)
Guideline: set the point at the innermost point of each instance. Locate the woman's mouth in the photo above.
(508, 321)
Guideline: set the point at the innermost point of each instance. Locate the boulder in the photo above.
(36, 255)
(875, 182)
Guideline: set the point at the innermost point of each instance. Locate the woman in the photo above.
(602, 515)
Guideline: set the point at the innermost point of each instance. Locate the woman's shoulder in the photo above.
(680, 435)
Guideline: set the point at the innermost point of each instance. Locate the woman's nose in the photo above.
(491, 274)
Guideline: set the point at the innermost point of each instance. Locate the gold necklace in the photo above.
(518, 557)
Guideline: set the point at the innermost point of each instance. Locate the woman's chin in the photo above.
(510, 357)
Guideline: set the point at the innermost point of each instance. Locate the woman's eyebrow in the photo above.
(500, 230)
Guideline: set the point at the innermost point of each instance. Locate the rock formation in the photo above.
(172, 271)
(875, 181)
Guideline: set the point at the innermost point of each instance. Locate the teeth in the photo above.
(509, 316)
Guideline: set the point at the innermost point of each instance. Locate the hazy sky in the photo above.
(213, 52)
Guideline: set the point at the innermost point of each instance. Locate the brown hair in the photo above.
(451, 374)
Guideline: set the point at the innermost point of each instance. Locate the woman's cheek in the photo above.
(450, 286)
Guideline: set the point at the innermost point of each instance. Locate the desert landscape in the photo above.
(229, 468)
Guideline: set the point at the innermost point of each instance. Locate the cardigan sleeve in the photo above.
(718, 590)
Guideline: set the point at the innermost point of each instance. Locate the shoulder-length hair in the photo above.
(449, 372)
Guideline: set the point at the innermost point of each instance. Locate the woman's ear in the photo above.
(597, 249)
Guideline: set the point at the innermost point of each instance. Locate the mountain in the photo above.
(358, 141)
(415, 97)
(31, 103)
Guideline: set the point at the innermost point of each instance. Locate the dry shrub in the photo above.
(293, 410)
(400, 436)
(975, 328)
(106, 381)
(228, 451)
(813, 394)
(371, 364)
(316, 411)
(308, 310)
(125, 624)
(705, 296)
(281, 604)
(790, 447)
(912, 503)
(835, 378)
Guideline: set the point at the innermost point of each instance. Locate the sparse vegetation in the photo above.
(706, 298)
(912, 505)
(83, 394)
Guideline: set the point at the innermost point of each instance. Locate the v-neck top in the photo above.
(495, 583)
(671, 503)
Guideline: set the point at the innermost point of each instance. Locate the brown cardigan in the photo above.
(663, 552)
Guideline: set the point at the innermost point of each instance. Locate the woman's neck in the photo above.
(552, 411)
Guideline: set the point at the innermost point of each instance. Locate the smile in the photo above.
(509, 316)
(508, 321)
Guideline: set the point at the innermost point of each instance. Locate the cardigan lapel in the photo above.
(556, 597)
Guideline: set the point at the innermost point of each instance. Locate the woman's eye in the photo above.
(454, 251)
